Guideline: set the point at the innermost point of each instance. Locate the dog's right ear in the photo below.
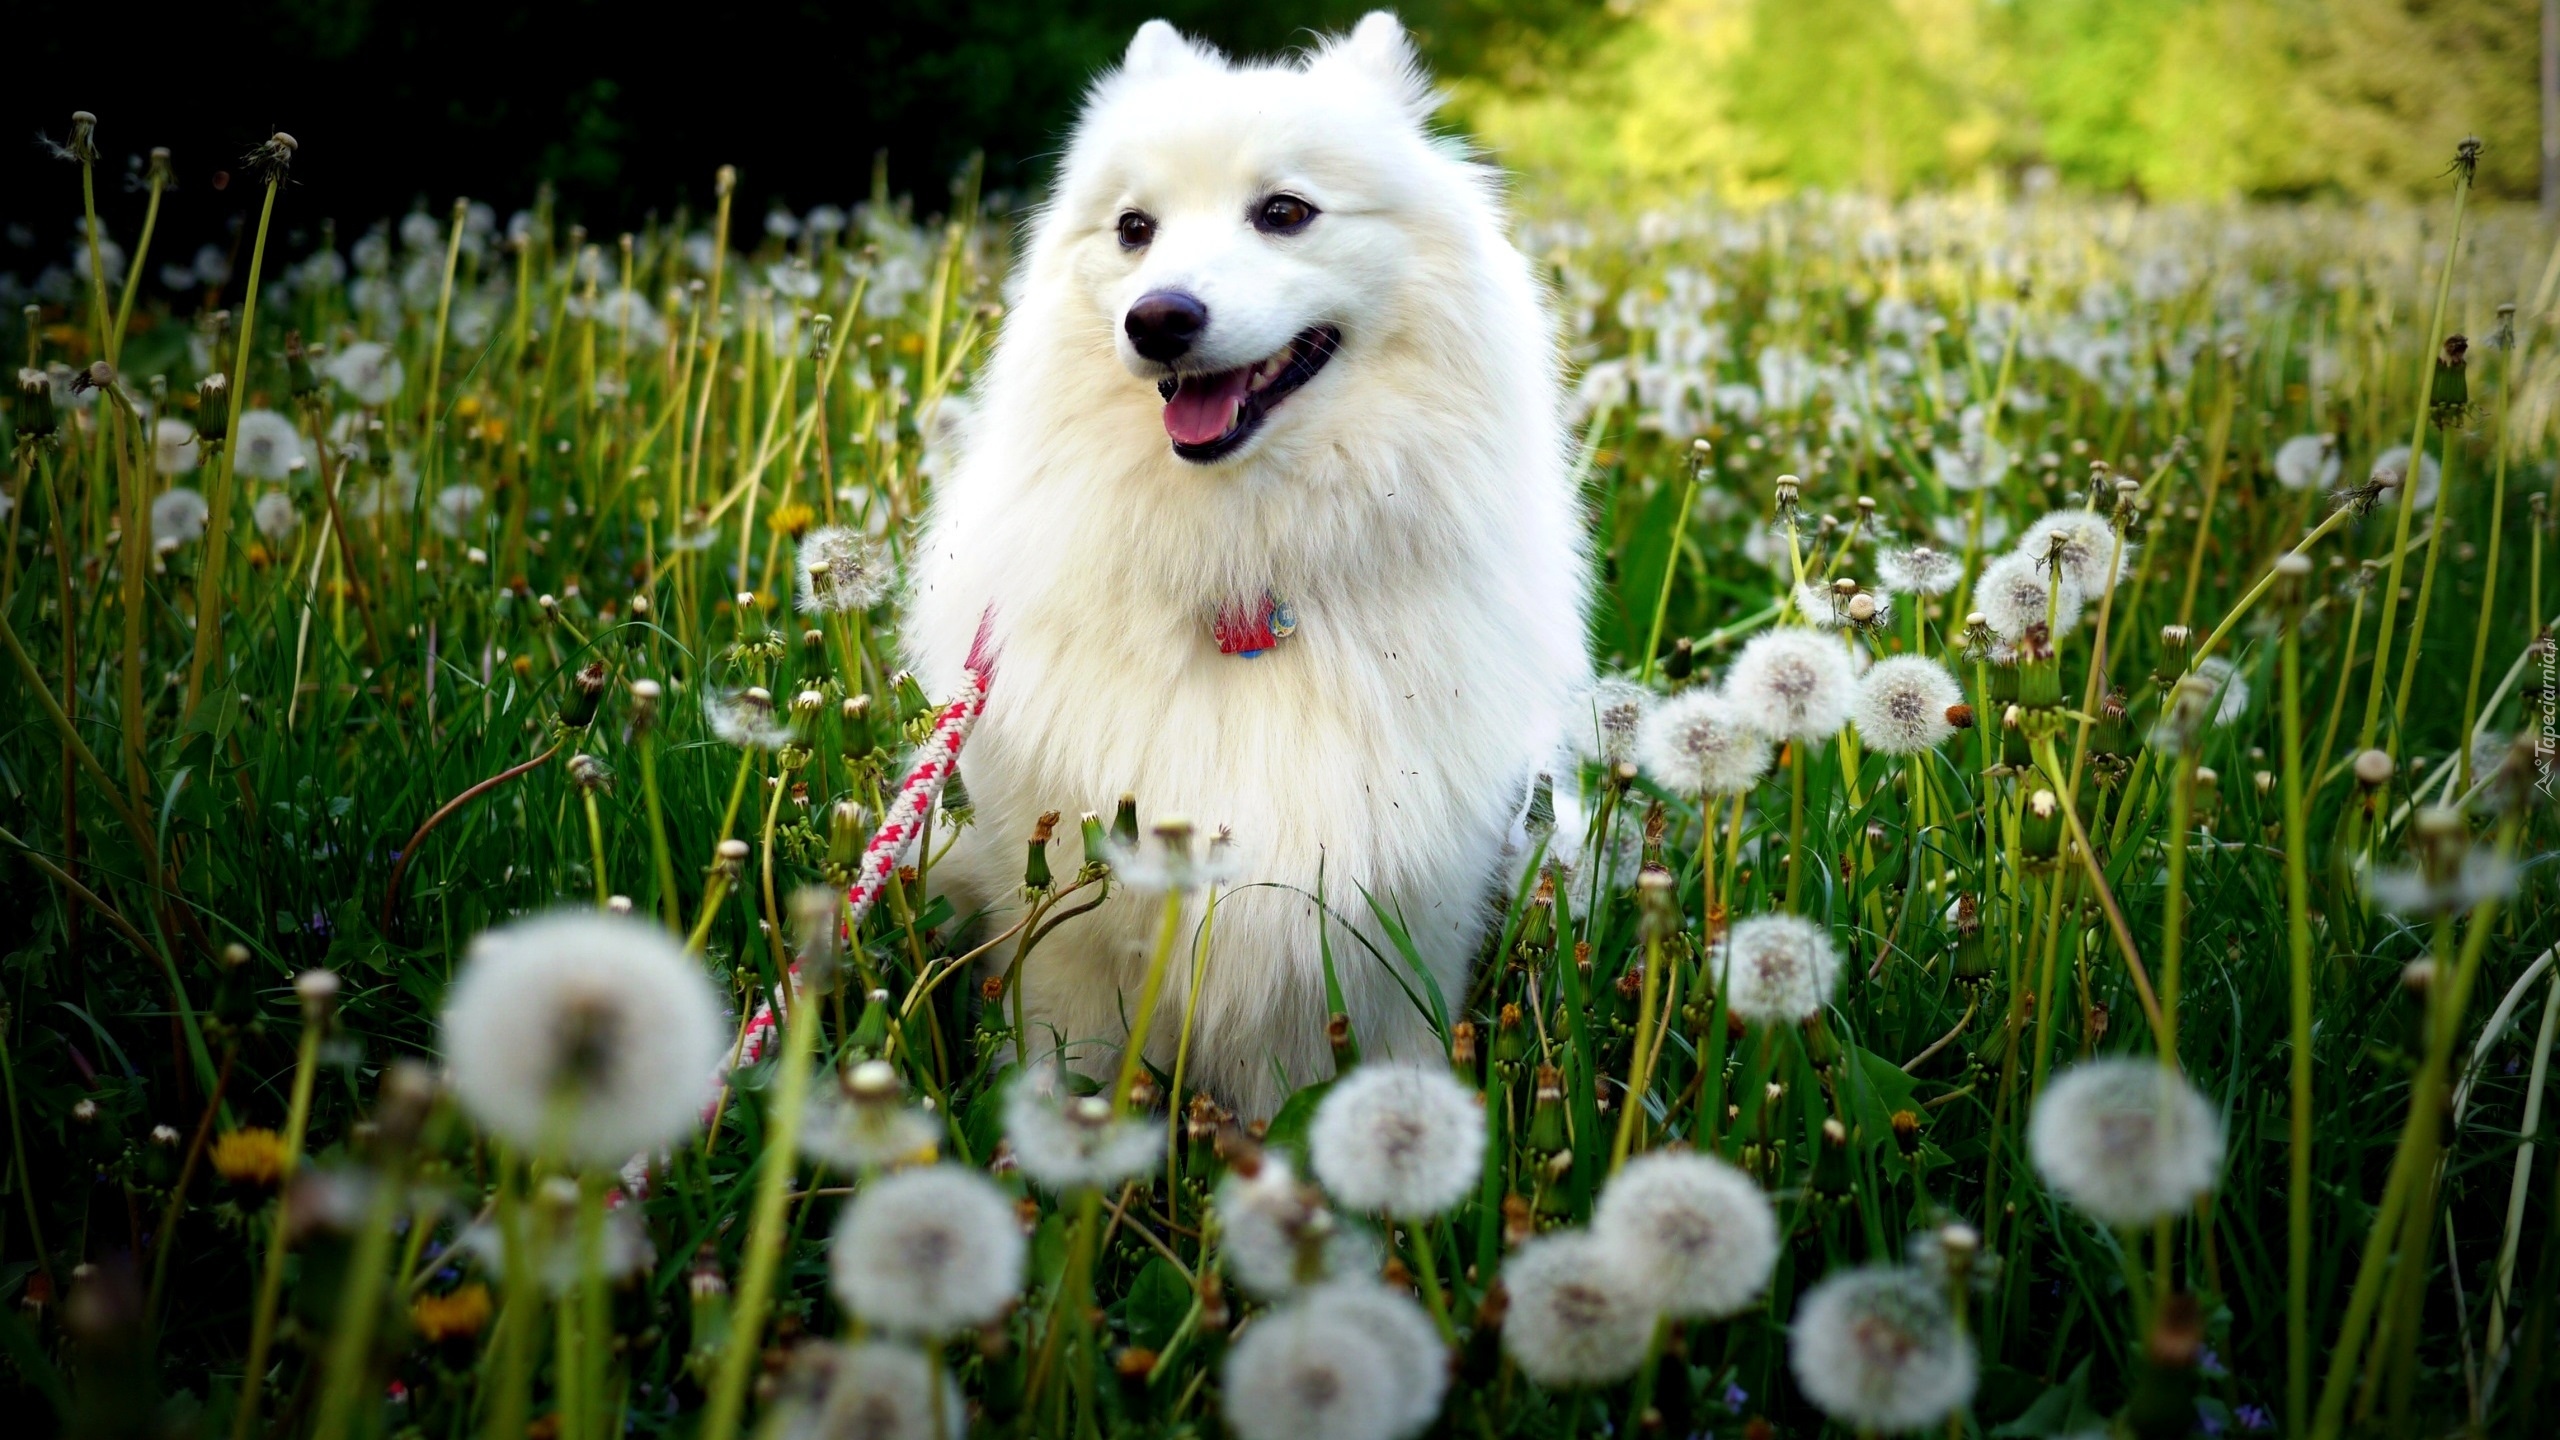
(1159, 49)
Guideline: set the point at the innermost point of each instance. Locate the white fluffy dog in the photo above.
(1266, 498)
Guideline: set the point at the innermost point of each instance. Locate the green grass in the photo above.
(256, 776)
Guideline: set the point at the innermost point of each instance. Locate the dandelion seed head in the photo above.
(747, 719)
(592, 1036)
(1701, 1229)
(174, 450)
(2392, 467)
(178, 517)
(928, 1251)
(840, 571)
(2308, 462)
(1777, 969)
(2126, 1140)
(2015, 590)
(1612, 715)
(1793, 683)
(1072, 1142)
(1398, 1140)
(1920, 569)
(1276, 1233)
(553, 1247)
(865, 1123)
(1579, 1313)
(1698, 743)
(1299, 1372)
(456, 506)
(368, 370)
(1877, 1348)
(1902, 705)
(266, 446)
(275, 517)
(871, 1390)
(2230, 689)
(2090, 551)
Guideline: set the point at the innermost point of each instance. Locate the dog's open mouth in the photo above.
(1210, 414)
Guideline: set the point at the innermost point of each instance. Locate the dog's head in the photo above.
(1244, 234)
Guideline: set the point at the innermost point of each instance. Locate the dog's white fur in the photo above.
(1413, 503)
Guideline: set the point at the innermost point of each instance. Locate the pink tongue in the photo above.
(1204, 409)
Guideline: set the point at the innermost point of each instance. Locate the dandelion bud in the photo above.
(1097, 844)
(1906, 1131)
(82, 145)
(848, 827)
(301, 376)
(2417, 976)
(213, 410)
(1682, 662)
(586, 693)
(1124, 821)
(589, 774)
(2040, 838)
(2503, 339)
(36, 420)
(2449, 400)
(1035, 863)
(729, 859)
(1789, 489)
(318, 992)
(2373, 769)
(2163, 1403)
(617, 904)
(1546, 1116)
(1462, 1049)
(1960, 716)
(1338, 1038)
(1660, 906)
(817, 931)
(645, 695)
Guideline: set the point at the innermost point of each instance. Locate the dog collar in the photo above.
(1247, 628)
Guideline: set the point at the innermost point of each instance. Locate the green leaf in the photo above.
(2062, 1409)
(1397, 936)
(1288, 1130)
(1158, 1299)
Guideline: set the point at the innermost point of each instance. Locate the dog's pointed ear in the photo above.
(1159, 49)
(1380, 52)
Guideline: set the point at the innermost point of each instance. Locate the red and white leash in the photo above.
(935, 761)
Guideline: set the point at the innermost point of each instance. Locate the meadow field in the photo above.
(2045, 933)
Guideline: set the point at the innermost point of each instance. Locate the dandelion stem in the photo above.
(1142, 1024)
(2297, 893)
(2488, 571)
(262, 1323)
(2426, 595)
(217, 537)
(765, 1227)
(2385, 630)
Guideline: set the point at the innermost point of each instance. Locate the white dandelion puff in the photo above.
(1394, 1325)
(1580, 1314)
(840, 570)
(1878, 1348)
(2394, 465)
(456, 506)
(369, 372)
(747, 719)
(2308, 462)
(1700, 1228)
(866, 1123)
(871, 1390)
(275, 517)
(1920, 569)
(1298, 1372)
(1955, 531)
(1902, 705)
(1276, 1234)
(1072, 1142)
(1170, 860)
(1777, 969)
(928, 1251)
(174, 450)
(2126, 1140)
(178, 517)
(266, 446)
(554, 1248)
(2016, 591)
(2092, 553)
(1835, 609)
(2230, 689)
(1612, 713)
(1399, 1140)
(591, 1036)
(1793, 683)
(1697, 743)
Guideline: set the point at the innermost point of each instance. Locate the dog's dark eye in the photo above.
(1283, 215)
(1136, 230)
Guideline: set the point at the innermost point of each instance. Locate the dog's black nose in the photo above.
(1163, 323)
